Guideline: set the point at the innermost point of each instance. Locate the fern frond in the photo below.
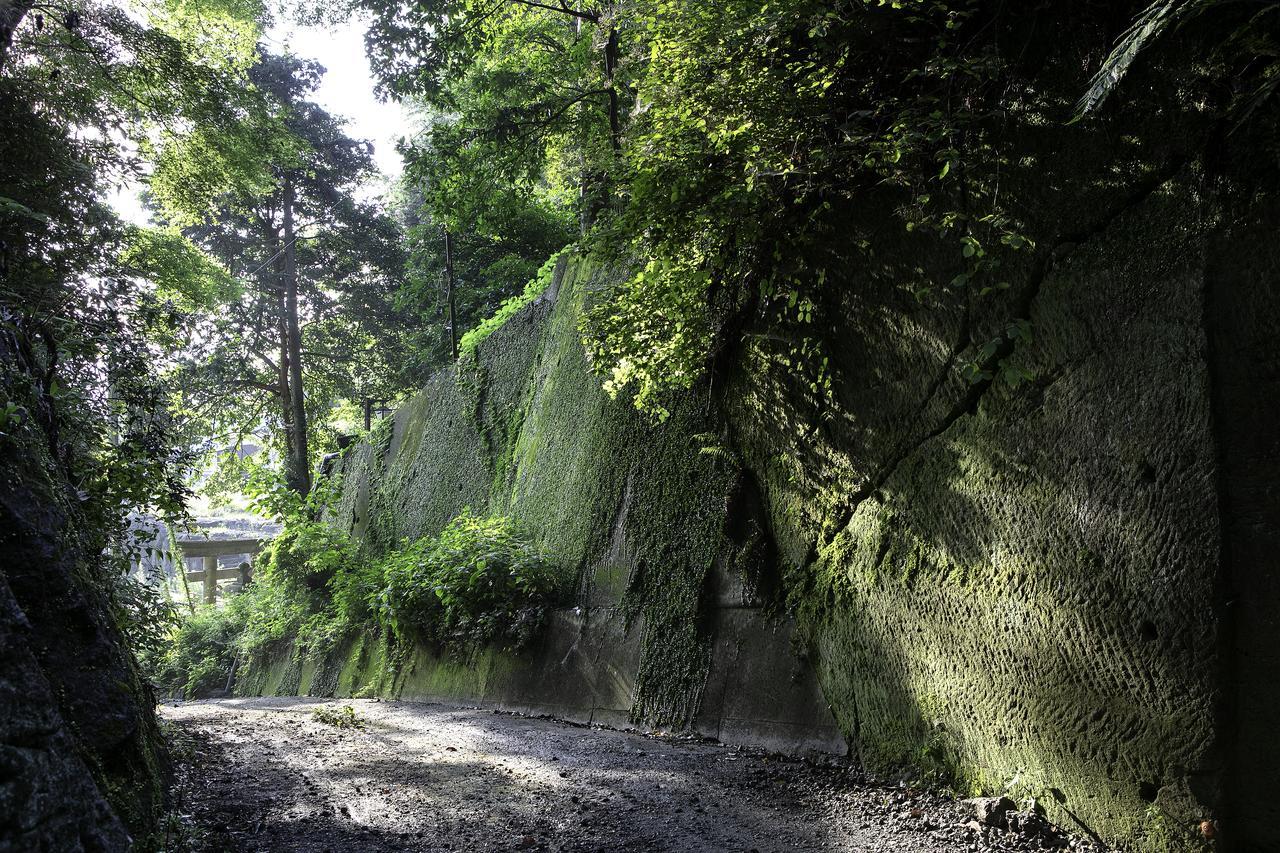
(1269, 86)
(1153, 21)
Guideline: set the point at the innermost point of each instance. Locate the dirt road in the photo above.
(268, 775)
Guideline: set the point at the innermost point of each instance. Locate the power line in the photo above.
(279, 252)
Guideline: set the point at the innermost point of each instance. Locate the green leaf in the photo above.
(10, 207)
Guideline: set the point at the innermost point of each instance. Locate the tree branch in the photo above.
(562, 9)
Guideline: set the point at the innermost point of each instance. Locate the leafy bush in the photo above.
(144, 613)
(310, 551)
(313, 584)
(476, 583)
(310, 583)
(201, 654)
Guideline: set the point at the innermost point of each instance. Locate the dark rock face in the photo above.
(1025, 591)
(80, 755)
(48, 797)
(1064, 587)
(1242, 313)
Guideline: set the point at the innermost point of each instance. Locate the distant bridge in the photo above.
(211, 550)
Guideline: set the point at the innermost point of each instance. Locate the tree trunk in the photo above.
(11, 14)
(276, 294)
(453, 305)
(596, 190)
(610, 66)
(282, 382)
(298, 468)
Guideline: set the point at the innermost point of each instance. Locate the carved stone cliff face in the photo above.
(1020, 588)
(1242, 315)
(1062, 587)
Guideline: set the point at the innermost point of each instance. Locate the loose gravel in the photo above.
(270, 775)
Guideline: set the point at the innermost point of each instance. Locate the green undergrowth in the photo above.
(197, 660)
(477, 583)
(340, 718)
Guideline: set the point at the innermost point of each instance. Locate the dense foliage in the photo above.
(723, 151)
(91, 308)
(670, 121)
(477, 583)
(200, 656)
(535, 287)
(315, 321)
(490, 266)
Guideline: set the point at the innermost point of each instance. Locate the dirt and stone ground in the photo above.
(270, 775)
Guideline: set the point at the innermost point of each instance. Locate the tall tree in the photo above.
(528, 97)
(324, 267)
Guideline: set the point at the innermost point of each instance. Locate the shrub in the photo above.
(302, 582)
(313, 552)
(199, 658)
(287, 600)
(314, 585)
(474, 584)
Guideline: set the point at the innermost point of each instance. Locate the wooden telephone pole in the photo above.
(448, 277)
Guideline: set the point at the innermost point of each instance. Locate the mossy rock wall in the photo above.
(659, 541)
(1064, 587)
(1061, 588)
(1023, 587)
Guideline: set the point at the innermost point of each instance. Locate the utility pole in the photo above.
(448, 277)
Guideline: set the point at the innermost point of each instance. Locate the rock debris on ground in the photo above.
(270, 775)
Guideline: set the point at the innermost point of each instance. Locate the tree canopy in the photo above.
(722, 150)
(720, 154)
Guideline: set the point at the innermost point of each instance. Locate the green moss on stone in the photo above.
(521, 427)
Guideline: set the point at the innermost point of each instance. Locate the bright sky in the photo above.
(346, 90)
(347, 87)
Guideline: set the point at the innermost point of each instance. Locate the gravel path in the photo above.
(267, 775)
